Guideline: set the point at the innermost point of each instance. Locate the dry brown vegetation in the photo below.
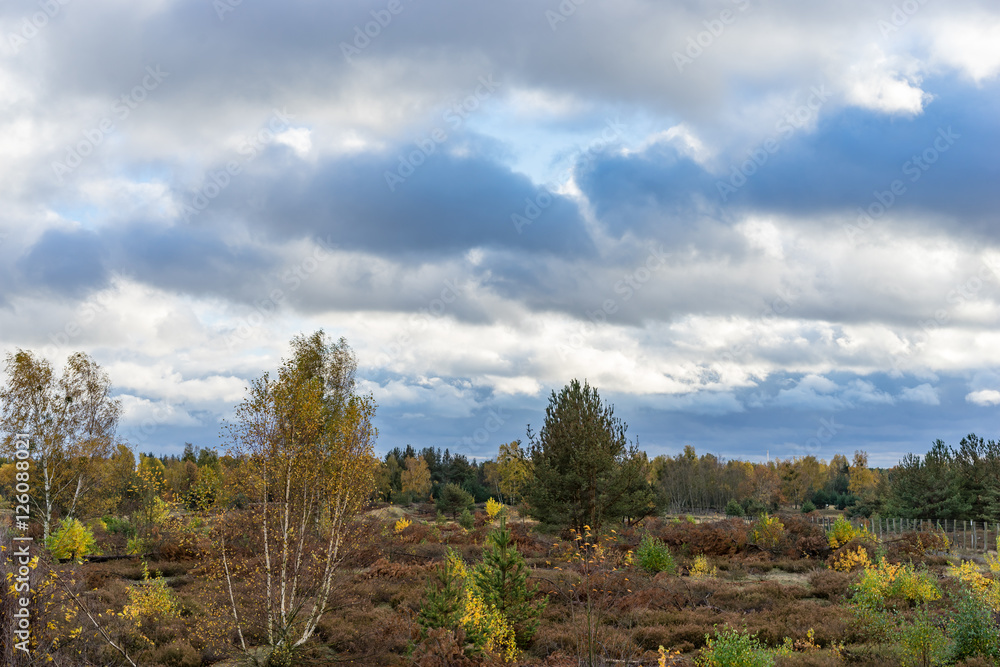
(598, 598)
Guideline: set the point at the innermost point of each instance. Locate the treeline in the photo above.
(407, 475)
(687, 482)
(947, 483)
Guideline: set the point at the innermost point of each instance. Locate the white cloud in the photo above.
(968, 43)
(877, 83)
(984, 397)
(922, 393)
(142, 412)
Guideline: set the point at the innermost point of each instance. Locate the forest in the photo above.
(296, 543)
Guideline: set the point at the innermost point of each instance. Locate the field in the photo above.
(604, 607)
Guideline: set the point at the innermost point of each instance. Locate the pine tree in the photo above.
(585, 470)
(444, 599)
(502, 580)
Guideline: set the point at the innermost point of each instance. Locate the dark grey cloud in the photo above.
(403, 202)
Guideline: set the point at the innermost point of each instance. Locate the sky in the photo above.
(762, 228)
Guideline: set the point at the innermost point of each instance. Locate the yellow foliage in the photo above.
(402, 525)
(667, 658)
(701, 570)
(150, 599)
(982, 588)
(884, 581)
(843, 532)
(849, 561)
(993, 559)
(767, 531)
(493, 508)
(72, 540)
(485, 620)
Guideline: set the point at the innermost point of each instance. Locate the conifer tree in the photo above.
(502, 579)
(444, 598)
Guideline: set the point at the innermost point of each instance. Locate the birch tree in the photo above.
(307, 444)
(71, 420)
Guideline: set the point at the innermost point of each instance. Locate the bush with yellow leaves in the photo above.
(883, 589)
(700, 569)
(72, 540)
(493, 508)
(984, 589)
(150, 600)
(843, 532)
(454, 602)
(851, 560)
(767, 531)
(402, 524)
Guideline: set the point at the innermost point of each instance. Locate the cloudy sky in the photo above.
(759, 227)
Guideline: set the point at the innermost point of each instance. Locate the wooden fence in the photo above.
(966, 535)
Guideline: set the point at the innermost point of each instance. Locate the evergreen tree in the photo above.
(502, 580)
(453, 499)
(580, 460)
(444, 599)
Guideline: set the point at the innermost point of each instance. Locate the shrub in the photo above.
(842, 532)
(883, 588)
(849, 560)
(455, 603)
(654, 556)
(981, 588)
(733, 508)
(733, 648)
(454, 499)
(466, 520)
(924, 644)
(442, 606)
(808, 507)
(767, 531)
(887, 584)
(151, 599)
(402, 524)
(72, 540)
(700, 569)
(973, 630)
(116, 526)
(493, 508)
(502, 581)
